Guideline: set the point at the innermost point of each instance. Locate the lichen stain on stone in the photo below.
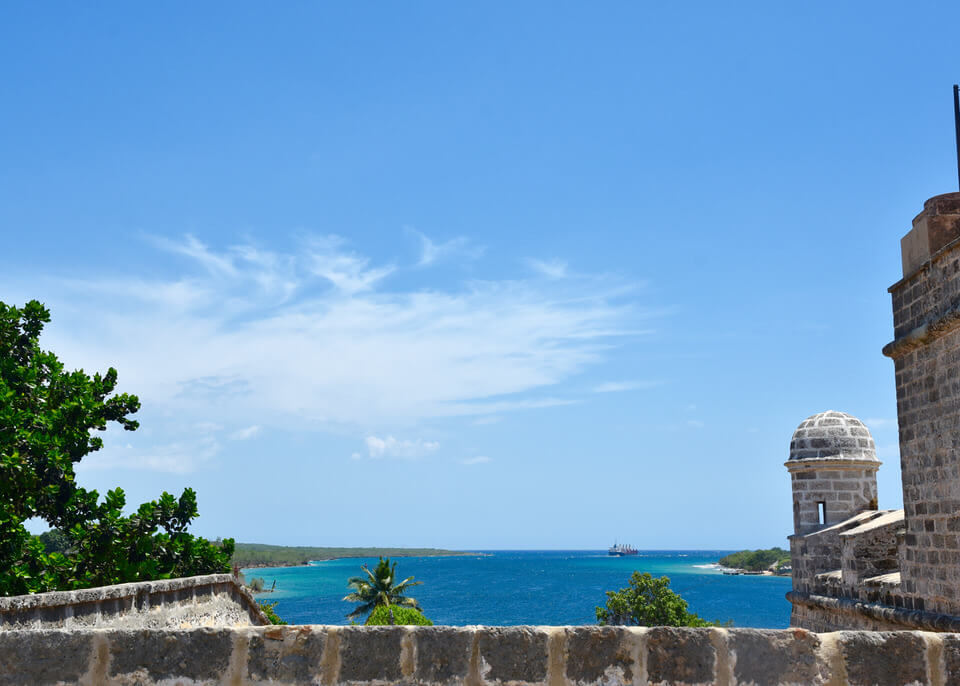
(556, 657)
(330, 664)
(723, 668)
(99, 662)
(935, 662)
(407, 657)
(832, 658)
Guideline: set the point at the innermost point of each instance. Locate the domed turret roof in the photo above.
(831, 434)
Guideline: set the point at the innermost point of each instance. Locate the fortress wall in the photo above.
(926, 353)
(475, 656)
(197, 601)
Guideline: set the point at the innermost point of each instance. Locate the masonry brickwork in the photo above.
(860, 567)
(190, 602)
(475, 656)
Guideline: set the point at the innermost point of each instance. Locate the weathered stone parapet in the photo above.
(211, 600)
(474, 656)
(844, 612)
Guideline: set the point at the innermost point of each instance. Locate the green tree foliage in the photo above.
(405, 616)
(263, 555)
(47, 419)
(757, 560)
(378, 588)
(647, 602)
(54, 541)
(270, 613)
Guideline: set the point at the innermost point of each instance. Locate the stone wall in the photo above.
(474, 656)
(197, 601)
(845, 487)
(926, 353)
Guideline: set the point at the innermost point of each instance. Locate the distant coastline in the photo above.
(260, 555)
(764, 562)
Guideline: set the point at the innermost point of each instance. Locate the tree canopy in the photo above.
(379, 588)
(401, 616)
(647, 602)
(48, 420)
(757, 560)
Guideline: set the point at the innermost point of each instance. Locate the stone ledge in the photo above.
(923, 334)
(908, 619)
(474, 656)
(108, 603)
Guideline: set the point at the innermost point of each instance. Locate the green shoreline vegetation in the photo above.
(775, 560)
(254, 555)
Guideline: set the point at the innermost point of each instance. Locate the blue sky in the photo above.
(473, 275)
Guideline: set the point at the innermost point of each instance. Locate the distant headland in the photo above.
(251, 555)
(772, 561)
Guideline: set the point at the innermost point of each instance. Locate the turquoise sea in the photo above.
(531, 587)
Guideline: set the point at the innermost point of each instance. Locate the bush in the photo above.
(405, 616)
(648, 602)
(256, 584)
(271, 613)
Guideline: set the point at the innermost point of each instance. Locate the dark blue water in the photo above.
(532, 587)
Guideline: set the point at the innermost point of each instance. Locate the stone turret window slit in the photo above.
(822, 512)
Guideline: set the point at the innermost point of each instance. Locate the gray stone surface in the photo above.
(513, 654)
(601, 652)
(286, 654)
(211, 600)
(443, 654)
(832, 434)
(377, 656)
(680, 656)
(884, 659)
(145, 656)
(370, 653)
(31, 659)
(775, 657)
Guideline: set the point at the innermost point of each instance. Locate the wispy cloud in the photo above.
(552, 269)
(391, 447)
(183, 456)
(348, 272)
(479, 459)
(245, 434)
(349, 356)
(431, 252)
(879, 422)
(619, 386)
(313, 339)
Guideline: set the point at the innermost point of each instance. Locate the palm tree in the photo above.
(378, 588)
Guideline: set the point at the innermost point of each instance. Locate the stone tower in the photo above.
(926, 354)
(833, 471)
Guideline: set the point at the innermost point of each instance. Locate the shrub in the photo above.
(648, 602)
(271, 613)
(406, 616)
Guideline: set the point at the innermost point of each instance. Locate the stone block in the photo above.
(443, 654)
(38, 658)
(775, 657)
(680, 656)
(600, 655)
(154, 655)
(370, 653)
(512, 654)
(884, 659)
(285, 654)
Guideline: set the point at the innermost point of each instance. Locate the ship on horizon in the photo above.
(621, 550)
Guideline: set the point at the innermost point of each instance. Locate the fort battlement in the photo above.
(857, 567)
(475, 656)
